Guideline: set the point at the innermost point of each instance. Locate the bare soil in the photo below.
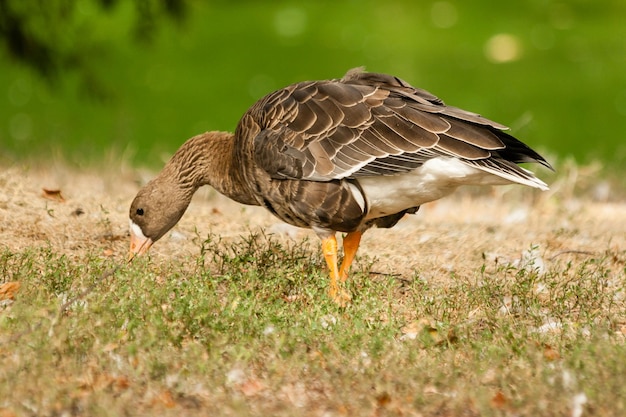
(459, 233)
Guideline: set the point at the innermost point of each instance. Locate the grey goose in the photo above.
(340, 155)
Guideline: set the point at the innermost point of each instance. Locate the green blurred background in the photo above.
(130, 87)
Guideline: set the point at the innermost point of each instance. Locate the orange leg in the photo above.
(350, 246)
(329, 248)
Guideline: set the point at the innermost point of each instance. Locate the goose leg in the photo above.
(350, 246)
(329, 248)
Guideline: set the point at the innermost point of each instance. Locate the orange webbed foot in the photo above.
(351, 243)
(338, 295)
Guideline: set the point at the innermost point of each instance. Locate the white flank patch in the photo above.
(358, 195)
(435, 179)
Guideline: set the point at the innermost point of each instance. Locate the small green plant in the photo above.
(247, 329)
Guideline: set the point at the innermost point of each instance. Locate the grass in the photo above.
(246, 328)
(565, 92)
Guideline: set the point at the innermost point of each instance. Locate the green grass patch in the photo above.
(563, 93)
(246, 328)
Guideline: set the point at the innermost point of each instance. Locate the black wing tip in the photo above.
(546, 164)
(534, 157)
(518, 152)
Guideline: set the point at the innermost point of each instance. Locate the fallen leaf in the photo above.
(122, 383)
(251, 387)
(110, 237)
(108, 253)
(164, 398)
(53, 194)
(5, 412)
(499, 401)
(430, 390)
(383, 399)
(318, 357)
(8, 290)
(342, 410)
(109, 347)
(425, 328)
(292, 298)
(451, 337)
(550, 354)
(410, 330)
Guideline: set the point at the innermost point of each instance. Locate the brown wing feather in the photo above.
(369, 124)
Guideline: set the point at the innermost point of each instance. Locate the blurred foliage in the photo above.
(54, 36)
(550, 69)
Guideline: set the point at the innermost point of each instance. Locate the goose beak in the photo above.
(139, 244)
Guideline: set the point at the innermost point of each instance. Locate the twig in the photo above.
(572, 251)
(389, 274)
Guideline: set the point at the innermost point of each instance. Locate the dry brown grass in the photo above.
(451, 234)
(407, 281)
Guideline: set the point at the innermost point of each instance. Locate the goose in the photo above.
(340, 155)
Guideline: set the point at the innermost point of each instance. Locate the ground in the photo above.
(520, 293)
(449, 234)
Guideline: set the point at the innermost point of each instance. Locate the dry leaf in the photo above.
(53, 194)
(451, 337)
(410, 330)
(122, 383)
(8, 290)
(5, 412)
(110, 237)
(109, 347)
(425, 328)
(108, 253)
(292, 298)
(342, 410)
(430, 390)
(383, 399)
(499, 401)
(550, 354)
(164, 398)
(251, 387)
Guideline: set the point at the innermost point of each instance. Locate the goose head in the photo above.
(158, 206)
(204, 159)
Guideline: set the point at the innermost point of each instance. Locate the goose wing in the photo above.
(372, 124)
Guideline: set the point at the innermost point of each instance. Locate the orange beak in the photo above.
(139, 244)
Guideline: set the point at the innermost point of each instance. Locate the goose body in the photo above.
(336, 156)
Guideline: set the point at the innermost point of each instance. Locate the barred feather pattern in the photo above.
(372, 124)
(361, 126)
(338, 155)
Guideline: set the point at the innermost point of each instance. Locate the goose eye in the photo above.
(139, 212)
